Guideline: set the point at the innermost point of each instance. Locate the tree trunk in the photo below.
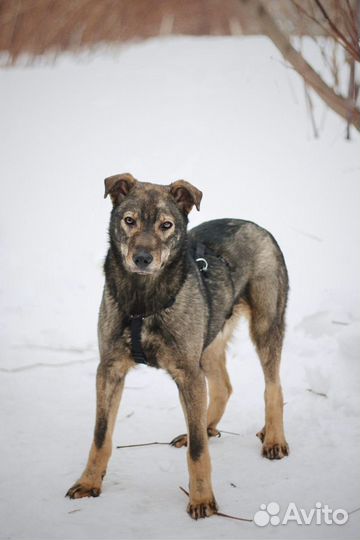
(345, 107)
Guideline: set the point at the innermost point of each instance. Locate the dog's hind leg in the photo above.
(214, 366)
(213, 363)
(110, 380)
(267, 302)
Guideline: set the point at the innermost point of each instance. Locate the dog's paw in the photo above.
(273, 449)
(212, 432)
(202, 510)
(79, 490)
(179, 441)
(182, 440)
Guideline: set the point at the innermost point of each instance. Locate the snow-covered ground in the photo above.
(225, 114)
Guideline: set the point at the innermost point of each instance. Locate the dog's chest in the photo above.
(148, 341)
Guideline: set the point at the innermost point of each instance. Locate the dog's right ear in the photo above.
(118, 186)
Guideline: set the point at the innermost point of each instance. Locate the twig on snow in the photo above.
(317, 393)
(353, 511)
(47, 364)
(229, 432)
(164, 443)
(142, 444)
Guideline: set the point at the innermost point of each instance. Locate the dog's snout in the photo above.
(142, 259)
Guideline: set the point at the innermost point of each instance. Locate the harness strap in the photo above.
(136, 347)
(200, 258)
(136, 322)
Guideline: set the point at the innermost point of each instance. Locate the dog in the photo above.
(171, 300)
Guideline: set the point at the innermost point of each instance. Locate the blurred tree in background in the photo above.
(34, 28)
(339, 22)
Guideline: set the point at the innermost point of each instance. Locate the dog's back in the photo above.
(242, 258)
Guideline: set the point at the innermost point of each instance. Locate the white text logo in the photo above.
(321, 514)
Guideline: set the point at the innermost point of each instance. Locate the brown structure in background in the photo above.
(40, 26)
(36, 27)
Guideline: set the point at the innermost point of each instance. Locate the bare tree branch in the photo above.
(349, 19)
(310, 108)
(344, 107)
(355, 51)
(351, 93)
(351, 22)
(303, 11)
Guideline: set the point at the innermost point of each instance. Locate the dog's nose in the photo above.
(142, 259)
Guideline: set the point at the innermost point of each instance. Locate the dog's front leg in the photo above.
(192, 388)
(110, 380)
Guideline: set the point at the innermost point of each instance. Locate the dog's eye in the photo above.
(129, 220)
(166, 225)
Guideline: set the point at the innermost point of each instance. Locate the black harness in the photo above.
(135, 321)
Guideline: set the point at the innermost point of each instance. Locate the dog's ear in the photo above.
(186, 195)
(118, 186)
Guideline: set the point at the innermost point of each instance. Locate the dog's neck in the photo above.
(138, 294)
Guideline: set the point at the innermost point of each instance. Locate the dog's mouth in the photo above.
(142, 272)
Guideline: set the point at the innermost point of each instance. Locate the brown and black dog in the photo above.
(171, 300)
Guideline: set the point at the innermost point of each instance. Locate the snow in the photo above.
(225, 114)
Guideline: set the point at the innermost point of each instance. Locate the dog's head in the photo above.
(148, 221)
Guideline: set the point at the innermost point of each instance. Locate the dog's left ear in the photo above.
(186, 195)
(118, 186)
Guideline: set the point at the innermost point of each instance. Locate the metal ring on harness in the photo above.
(204, 263)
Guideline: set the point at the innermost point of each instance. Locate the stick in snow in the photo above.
(142, 444)
(156, 442)
(317, 393)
